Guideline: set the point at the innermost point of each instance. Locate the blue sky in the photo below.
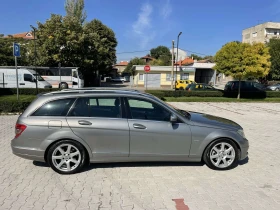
(143, 24)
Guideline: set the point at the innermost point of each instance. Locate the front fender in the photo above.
(203, 136)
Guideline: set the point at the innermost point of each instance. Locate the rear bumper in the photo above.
(28, 153)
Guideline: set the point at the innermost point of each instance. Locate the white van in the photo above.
(26, 79)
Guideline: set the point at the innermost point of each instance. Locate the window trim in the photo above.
(151, 101)
(123, 115)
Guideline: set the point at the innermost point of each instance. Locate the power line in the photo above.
(133, 52)
(197, 53)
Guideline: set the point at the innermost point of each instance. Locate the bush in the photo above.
(13, 106)
(25, 91)
(273, 94)
(181, 93)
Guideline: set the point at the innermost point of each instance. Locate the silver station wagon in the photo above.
(70, 129)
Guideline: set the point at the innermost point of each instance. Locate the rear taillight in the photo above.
(19, 129)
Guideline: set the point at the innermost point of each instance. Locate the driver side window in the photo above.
(28, 77)
(146, 110)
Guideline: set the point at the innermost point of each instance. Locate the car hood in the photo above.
(206, 120)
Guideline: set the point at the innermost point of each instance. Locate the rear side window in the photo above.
(109, 107)
(55, 108)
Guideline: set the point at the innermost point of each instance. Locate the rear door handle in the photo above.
(139, 126)
(84, 122)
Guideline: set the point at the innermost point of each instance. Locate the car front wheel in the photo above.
(221, 155)
(66, 157)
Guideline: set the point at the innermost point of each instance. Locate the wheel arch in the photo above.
(87, 150)
(220, 138)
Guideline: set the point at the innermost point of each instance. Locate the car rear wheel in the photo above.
(66, 157)
(277, 89)
(181, 88)
(221, 155)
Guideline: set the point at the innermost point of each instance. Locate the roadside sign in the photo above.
(16, 50)
(147, 68)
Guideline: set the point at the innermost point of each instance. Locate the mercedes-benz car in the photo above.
(70, 129)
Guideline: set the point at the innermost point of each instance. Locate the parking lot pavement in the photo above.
(254, 184)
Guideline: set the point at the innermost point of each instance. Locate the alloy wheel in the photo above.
(222, 155)
(66, 157)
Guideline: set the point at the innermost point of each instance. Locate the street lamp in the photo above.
(177, 57)
(35, 56)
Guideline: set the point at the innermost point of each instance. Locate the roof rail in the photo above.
(91, 90)
(98, 88)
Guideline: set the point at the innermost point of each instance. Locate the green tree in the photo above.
(162, 56)
(6, 51)
(100, 43)
(274, 51)
(160, 51)
(242, 60)
(134, 61)
(195, 57)
(75, 8)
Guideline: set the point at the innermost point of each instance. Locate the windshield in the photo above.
(38, 77)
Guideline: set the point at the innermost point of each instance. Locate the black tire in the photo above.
(277, 89)
(64, 86)
(206, 154)
(76, 145)
(181, 88)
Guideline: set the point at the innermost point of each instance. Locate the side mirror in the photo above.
(173, 118)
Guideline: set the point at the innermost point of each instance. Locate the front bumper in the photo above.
(244, 150)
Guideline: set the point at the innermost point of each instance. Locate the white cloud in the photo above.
(141, 28)
(166, 9)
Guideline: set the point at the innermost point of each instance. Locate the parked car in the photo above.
(200, 86)
(182, 84)
(275, 87)
(118, 79)
(69, 129)
(247, 89)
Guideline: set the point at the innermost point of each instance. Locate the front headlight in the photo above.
(241, 133)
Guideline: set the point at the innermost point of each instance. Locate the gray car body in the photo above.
(117, 140)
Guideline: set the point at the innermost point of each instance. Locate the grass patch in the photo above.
(218, 99)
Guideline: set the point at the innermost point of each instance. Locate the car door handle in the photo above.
(139, 126)
(84, 122)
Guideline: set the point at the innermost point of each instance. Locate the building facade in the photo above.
(160, 76)
(261, 33)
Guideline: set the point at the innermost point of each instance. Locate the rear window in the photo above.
(55, 108)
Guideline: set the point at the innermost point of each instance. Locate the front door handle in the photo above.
(84, 122)
(139, 126)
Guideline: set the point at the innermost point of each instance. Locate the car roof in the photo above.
(46, 97)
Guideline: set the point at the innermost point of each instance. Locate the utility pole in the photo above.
(177, 57)
(35, 56)
(172, 63)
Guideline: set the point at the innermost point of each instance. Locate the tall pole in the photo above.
(177, 57)
(172, 63)
(16, 76)
(35, 56)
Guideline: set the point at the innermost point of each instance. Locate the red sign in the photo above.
(147, 68)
